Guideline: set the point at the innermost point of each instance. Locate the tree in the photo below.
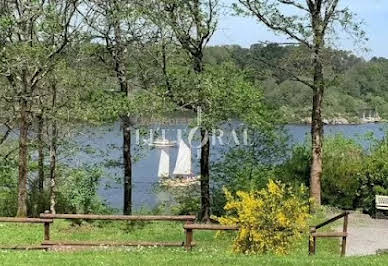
(192, 24)
(27, 56)
(118, 24)
(310, 26)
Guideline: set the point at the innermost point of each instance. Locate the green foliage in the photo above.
(183, 200)
(8, 183)
(249, 165)
(269, 220)
(357, 83)
(78, 191)
(351, 176)
(343, 162)
(296, 169)
(374, 178)
(223, 92)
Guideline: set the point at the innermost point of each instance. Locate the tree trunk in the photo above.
(127, 157)
(53, 154)
(127, 166)
(205, 211)
(40, 152)
(23, 159)
(118, 53)
(316, 123)
(53, 166)
(317, 149)
(204, 215)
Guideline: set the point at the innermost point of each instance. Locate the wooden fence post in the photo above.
(312, 245)
(46, 231)
(312, 241)
(189, 239)
(345, 230)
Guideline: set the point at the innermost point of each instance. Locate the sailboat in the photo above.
(164, 164)
(182, 174)
(183, 161)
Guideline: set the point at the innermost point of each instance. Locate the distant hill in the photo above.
(354, 84)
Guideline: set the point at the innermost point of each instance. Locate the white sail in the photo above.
(183, 162)
(164, 164)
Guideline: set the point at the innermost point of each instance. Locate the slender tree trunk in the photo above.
(125, 121)
(23, 159)
(127, 166)
(205, 211)
(205, 177)
(53, 154)
(121, 73)
(40, 152)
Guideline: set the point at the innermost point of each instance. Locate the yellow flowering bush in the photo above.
(269, 220)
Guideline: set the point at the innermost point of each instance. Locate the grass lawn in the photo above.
(210, 250)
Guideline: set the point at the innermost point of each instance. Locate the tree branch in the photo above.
(293, 3)
(329, 12)
(271, 25)
(41, 71)
(7, 133)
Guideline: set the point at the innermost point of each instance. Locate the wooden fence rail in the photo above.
(183, 218)
(314, 234)
(46, 225)
(189, 230)
(188, 219)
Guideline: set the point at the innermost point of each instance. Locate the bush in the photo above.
(296, 170)
(343, 162)
(270, 220)
(182, 200)
(342, 166)
(8, 187)
(374, 178)
(77, 191)
(248, 167)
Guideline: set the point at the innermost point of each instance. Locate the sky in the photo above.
(246, 31)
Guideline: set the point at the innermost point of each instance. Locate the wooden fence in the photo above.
(48, 242)
(46, 225)
(47, 219)
(314, 234)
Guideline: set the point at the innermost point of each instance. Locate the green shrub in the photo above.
(247, 168)
(77, 191)
(8, 185)
(342, 166)
(182, 200)
(296, 169)
(374, 180)
(343, 161)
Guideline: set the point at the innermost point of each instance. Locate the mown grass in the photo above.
(210, 250)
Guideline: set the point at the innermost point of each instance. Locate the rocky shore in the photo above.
(344, 121)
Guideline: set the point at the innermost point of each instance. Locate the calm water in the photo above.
(104, 144)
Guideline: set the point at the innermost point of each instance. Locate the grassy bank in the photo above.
(210, 250)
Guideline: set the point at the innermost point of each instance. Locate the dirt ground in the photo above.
(366, 235)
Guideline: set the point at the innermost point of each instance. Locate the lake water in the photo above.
(104, 144)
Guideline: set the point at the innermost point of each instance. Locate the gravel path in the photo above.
(366, 235)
